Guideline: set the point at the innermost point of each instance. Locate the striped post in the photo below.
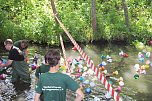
(100, 76)
(64, 54)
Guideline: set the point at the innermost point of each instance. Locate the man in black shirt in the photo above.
(20, 67)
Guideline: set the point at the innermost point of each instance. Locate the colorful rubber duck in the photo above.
(74, 48)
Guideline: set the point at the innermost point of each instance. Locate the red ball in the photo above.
(2, 76)
(0, 61)
(150, 42)
(125, 55)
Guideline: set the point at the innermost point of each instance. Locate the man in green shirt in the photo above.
(43, 68)
(22, 48)
(54, 84)
(21, 44)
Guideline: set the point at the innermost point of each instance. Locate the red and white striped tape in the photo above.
(100, 76)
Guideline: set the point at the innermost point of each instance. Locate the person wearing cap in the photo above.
(22, 45)
(54, 84)
(20, 67)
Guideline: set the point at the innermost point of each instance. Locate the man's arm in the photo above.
(26, 54)
(9, 62)
(14, 47)
(36, 97)
(80, 95)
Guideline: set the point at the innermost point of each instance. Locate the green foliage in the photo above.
(141, 19)
(75, 15)
(33, 20)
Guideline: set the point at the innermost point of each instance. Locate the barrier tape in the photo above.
(100, 76)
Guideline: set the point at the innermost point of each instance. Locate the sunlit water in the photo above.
(133, 90)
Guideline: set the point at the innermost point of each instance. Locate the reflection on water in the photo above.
(133, 90)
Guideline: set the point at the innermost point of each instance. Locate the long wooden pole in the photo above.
(61, 40)
(54, 9)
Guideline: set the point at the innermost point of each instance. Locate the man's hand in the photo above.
(36, 97)
(9, 62)
(20, 52)
(80, 95)
(2, 65)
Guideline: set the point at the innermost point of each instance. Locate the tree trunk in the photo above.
(126, 14)
(94, 23)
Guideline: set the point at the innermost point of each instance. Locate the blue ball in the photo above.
(81, 78)
(4, 61)
(141, 59)
(110, 82)
(88, 90)
(101, 65)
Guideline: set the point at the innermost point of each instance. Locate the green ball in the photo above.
(136, 76)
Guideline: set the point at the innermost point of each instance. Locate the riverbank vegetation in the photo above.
(123, 20)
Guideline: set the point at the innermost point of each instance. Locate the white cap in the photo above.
(9, 40)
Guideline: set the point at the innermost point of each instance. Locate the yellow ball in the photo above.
(142, 67)
(147, 66)
(85, 68)
(30, 70)
(115, 72)
(63, 67)
(120, 79)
